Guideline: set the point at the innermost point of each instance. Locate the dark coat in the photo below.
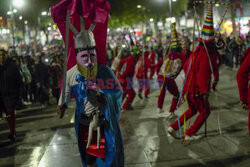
(42, 74)
(10, 83)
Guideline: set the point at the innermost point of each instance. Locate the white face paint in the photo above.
(87, 58)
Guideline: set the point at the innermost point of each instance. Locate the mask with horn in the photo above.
(85, 47)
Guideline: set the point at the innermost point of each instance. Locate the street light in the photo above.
(18, 3)
(20, 17)
(138, 6)
(44, 13)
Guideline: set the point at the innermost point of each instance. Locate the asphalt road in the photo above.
(46, 141)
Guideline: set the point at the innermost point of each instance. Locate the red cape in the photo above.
(92, 11)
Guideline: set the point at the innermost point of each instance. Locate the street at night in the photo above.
(124, 83)
(44, 140)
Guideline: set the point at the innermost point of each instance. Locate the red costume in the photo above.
(243, 77)
(152, 62)
(141, 73)
(197, 85)
(176, 61)
(126, 70)
(170, 69)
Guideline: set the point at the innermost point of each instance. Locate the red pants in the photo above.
(144, 84)
(152, 71)
(10, 112)
(196, 104)
(170, 85)
(129, 91)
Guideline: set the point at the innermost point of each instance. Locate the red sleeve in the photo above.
(159, 64)
(247, 51)
(204, 72)
(242, 78)
(130, 69)
(120, 65)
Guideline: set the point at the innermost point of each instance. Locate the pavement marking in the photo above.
(147, 158)
(195, 156)
(72, 120)
(41, 162)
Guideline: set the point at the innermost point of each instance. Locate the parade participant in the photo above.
(43, 81)
(221, 46)
(96, 89)
(116, 61)
(170, 69)
(126, 70)
(142, 67)
(55, 72)
(185, 42)
(198, 81)
(243, 80)
(10, 89)
(152, 63)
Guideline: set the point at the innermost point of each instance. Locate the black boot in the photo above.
(140, 96)
(12, 136)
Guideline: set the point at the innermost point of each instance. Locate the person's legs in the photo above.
(10, 113)
(141, 85)
(1, 107)
(192, 110)
(152, 71)
(131, 95)
(173, 89)
(147, 87)
(162, 91)
(203, 115)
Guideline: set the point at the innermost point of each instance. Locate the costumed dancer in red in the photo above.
(198, 81)
(142, 73)
(185, 42)
(126, 70)
(152, 63)
(243, 76)
(170, 69)
(117, 59)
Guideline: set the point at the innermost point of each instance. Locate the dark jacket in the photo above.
(42, 74)
(10, 83)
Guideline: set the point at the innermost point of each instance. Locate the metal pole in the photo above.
(13, 27)
(170, 8)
